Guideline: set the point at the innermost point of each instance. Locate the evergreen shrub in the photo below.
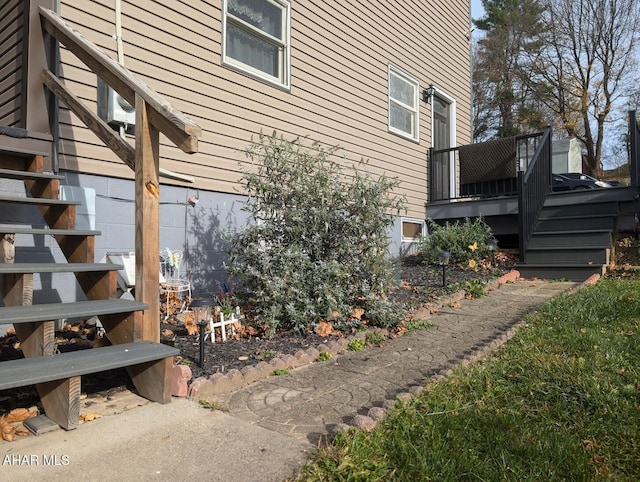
(456, 238)
(317, 248)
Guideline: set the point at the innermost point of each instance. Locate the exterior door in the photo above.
(443, 175)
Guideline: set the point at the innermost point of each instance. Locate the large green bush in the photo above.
(457, 238)
(318, 245)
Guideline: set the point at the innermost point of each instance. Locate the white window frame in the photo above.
(412, 221)
(284, 79)
(414, 109)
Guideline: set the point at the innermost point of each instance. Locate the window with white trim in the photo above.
(403, 104)
(413, 230)
(256, 38)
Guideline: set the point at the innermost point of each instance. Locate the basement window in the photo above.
(257, 39)
(413, 230)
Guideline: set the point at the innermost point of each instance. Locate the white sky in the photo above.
(476, 9)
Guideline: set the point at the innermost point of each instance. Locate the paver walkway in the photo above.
(273, 424)
(309, 401)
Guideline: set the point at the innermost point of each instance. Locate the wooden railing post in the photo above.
(147, 187)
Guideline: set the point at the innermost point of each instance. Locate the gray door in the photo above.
(441, 164)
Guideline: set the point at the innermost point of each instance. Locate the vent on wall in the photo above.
(112, 108)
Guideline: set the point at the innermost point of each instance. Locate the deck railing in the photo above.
(153, 116)
(441, 168)
(441, 162)
(634, 147)
(533, 187)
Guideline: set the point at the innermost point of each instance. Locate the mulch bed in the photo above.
(418, 285)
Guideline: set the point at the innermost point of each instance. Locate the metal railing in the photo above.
(533, 187)
(634, 147)
(441, 164)
(439, 175)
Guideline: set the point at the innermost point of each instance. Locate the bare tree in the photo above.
(587, 66)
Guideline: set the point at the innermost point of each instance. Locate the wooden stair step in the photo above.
(47, 231)
(15, 174)
(17, 151)
(37, 201)
(24, 268)
(80, 309)
(30, 371)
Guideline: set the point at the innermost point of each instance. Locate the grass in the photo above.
(560, 401)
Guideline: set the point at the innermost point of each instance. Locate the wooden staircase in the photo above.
(575, 233)
(57, 376)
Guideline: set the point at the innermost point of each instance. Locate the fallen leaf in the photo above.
(357, 313)
(324, 328)
(88, 417)
(18, 415)
(167, 333)
(192, 328)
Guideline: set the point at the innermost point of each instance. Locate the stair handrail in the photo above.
(634, 146)
(154, 115)
(533, 187)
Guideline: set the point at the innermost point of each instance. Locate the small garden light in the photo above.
(443, 260)
(202, 314)
(493, 247)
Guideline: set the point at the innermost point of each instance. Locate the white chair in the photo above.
(174, 281)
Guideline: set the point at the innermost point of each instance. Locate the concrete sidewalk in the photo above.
(272, 425)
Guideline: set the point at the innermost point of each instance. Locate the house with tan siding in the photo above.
(384, 80)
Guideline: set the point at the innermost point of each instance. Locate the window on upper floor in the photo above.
(403, 104)
(256, 38)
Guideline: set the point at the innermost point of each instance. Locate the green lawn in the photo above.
(560, 401)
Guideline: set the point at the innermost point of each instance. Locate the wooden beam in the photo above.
(147, 222)
(99, 127)
(173, 123)
(153, 379)
(33, 105)
(61, 399)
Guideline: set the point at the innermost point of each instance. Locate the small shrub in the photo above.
(324, 356)
(375, 338)
(474, 288)
(357, 344)
(266, 355)
(318, 243)
(212, 405)
(417, 325)
(465, 241)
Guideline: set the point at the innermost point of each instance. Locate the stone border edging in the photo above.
(375, 414)
(234, 379)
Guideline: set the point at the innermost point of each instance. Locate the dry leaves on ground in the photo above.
(8, 423)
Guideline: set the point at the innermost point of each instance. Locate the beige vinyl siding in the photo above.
(340, 54)
(11, 34)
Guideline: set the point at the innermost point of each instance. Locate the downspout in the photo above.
(119, 47)
(54, 103)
